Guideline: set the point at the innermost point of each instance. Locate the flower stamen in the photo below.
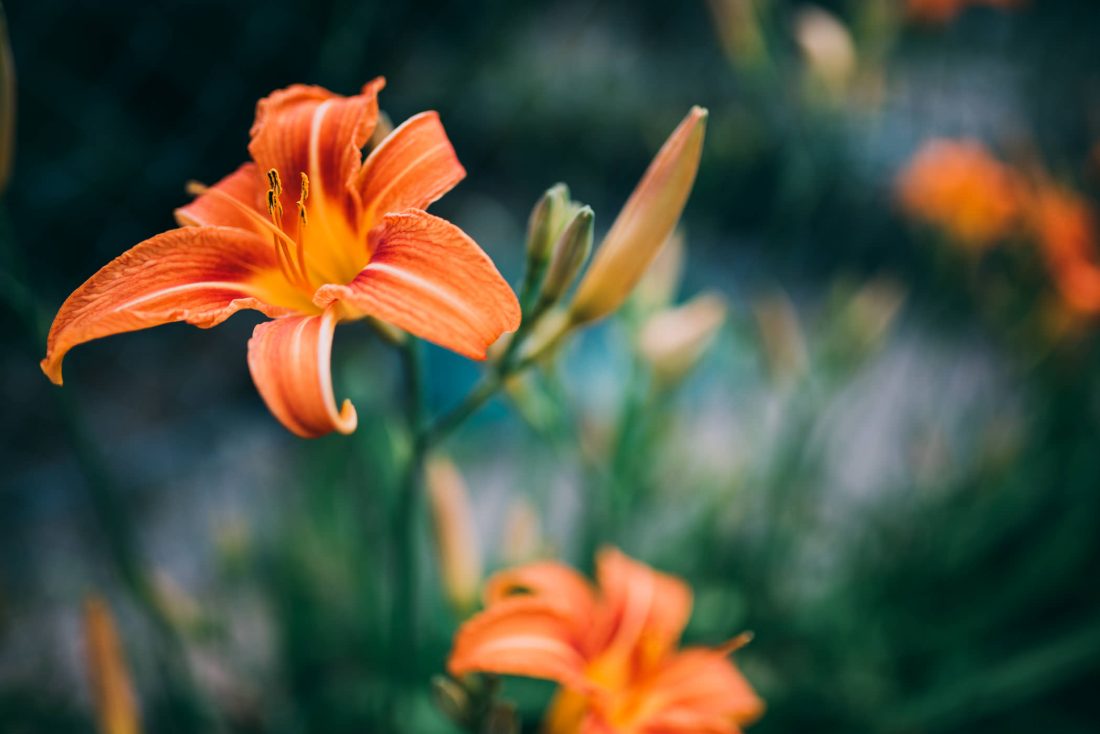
(282, 250)
(300, 239)
(196, 188)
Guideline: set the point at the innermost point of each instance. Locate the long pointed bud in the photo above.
(455, 536)
(646, 220)
(570, 253)
(113, 692)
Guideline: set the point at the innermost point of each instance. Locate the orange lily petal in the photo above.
(553, 583)
(643, 225)
(201, 275)
(646, 610)
(700, 690)
(235, 201)
(567, 713)
(411, 168)
(1067, 229)
(306, 129)
(520, 636)
(428, 277)
(290, 363)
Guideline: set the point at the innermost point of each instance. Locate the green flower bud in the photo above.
(570, 253)
(452, 699)
(545, 224)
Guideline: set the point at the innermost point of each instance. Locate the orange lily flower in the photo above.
(112, 688)
(310, 234)
(960, 187)
(1066, 228)
(614, 651)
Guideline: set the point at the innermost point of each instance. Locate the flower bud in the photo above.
(545, 223)
(451, 699)
(873, 310)
(826, 45)
(674, 340)
(784, 345)
(456, 539)
(570, 253)
(661, 281)
(502, 719)
(521, 540)
(180, 607)
(112, 690)
(645, 222)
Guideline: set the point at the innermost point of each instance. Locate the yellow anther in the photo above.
(273, 181)
(274, 195)
(301, 234)
(303, 195)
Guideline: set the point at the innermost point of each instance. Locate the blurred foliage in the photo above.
(955, 595)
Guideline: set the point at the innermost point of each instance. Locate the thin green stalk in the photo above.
(446, 423)
(405, 614)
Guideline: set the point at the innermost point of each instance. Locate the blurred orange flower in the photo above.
(614, 651)
(310, 234)
(959, 186)
(112, 688)
(1065, 226)
(942, 11)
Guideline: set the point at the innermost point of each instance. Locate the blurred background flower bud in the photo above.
(673, 341)
(738, 25)
(643, 225)
(112, 689)
(784, 345)
(874, 309)
(522, 538)
(456, 539)
(826, 46)
(661, 281)
(180, 607)
(452, 700)
(861, 320)
(570, 253)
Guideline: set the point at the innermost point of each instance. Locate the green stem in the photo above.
(405, 614)
(446, 423)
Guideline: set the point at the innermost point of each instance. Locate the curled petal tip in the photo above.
(52, 369)
(348, 418)
(290, 362)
